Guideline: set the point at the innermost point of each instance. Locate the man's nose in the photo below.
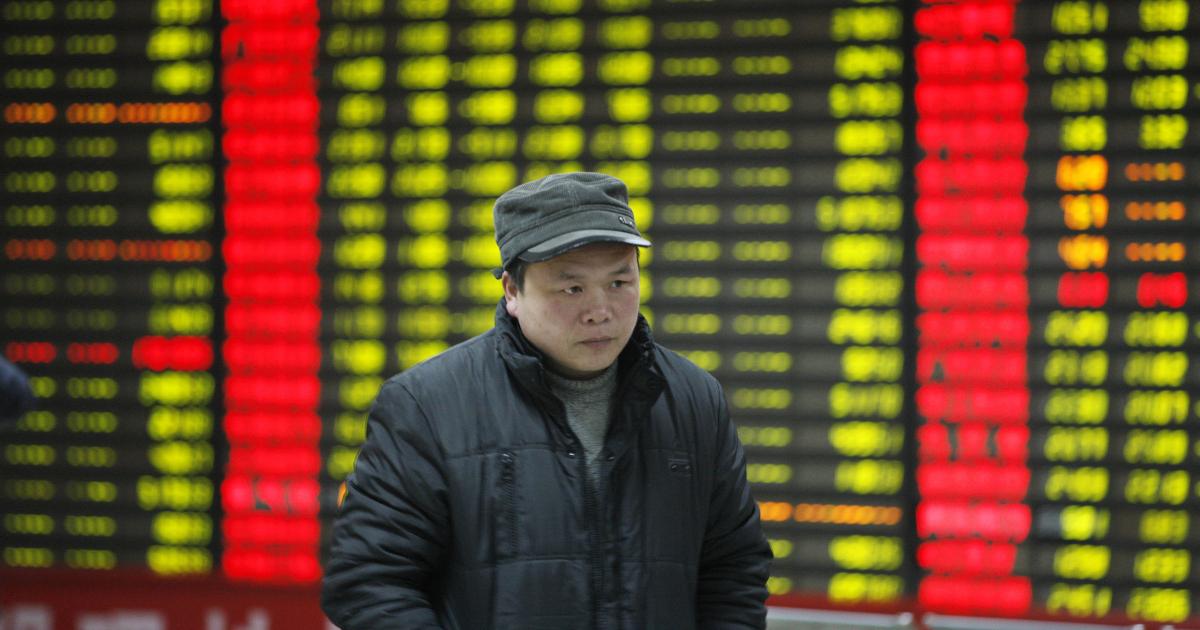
(598, 309)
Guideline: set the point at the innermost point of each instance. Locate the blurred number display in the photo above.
(942, 256)
(270, 494)
(110, 285)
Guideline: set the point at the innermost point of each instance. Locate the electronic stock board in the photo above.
(942, 256)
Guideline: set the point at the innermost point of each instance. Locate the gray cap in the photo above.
(541, 219)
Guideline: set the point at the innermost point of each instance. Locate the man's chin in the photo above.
(583, 370)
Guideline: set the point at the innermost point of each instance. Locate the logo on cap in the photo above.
(625, 220)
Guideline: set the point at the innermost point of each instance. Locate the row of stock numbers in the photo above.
(356, 149)
(973, 470)
(176, 359)
(270, 497)
(1119, 400)
(861, 219)
(840, 458)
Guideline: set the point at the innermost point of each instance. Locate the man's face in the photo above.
(579, 308)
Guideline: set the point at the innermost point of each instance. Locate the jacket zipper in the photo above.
(508, 480)
(593, 521)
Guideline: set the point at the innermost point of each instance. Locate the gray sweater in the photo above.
(589, 406)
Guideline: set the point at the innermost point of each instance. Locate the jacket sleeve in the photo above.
(735, 559)
(389, 535)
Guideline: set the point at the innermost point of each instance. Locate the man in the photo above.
(562, 470)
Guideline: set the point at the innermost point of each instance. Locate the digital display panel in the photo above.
(941, 255)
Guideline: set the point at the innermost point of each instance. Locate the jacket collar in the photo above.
(637, 373)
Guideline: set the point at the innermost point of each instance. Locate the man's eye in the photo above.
(572, 290)
(619, 283)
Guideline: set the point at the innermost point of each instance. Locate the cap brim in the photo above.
(564, 242)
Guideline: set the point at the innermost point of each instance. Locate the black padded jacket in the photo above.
(470, 505)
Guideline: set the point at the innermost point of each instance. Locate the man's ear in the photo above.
(510, 293)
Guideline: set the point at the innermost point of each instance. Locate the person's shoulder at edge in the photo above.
(431, 382)
(448, 361)
(16, 395)
(685, 378)
(673, 364)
